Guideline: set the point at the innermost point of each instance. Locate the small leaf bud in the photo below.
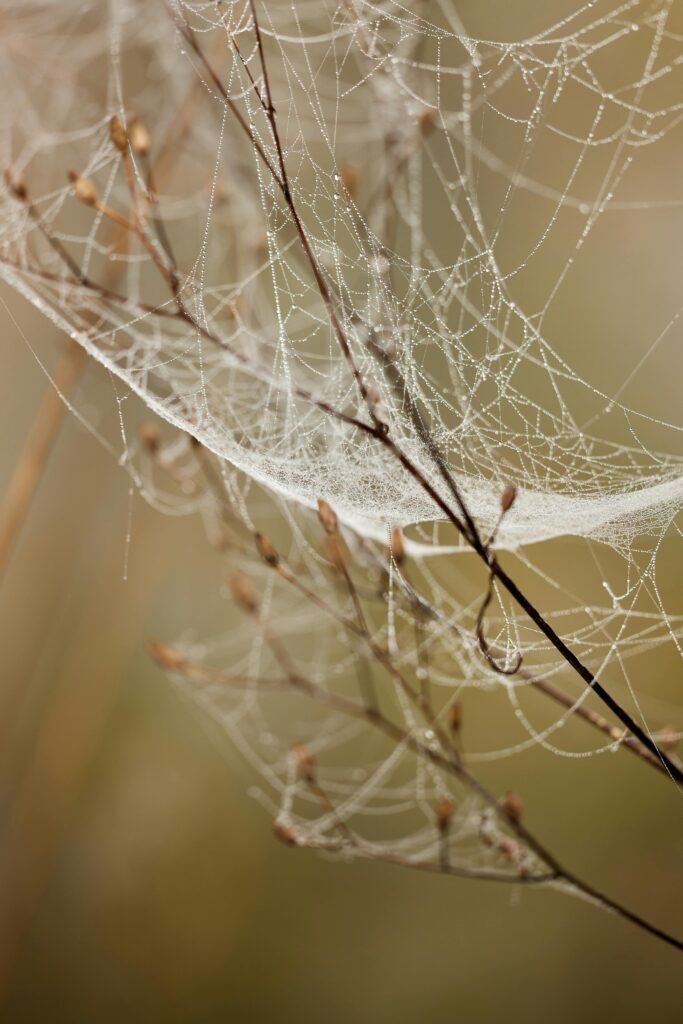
(512, 806)
(139, 137)
(118, 134)
(350, 178)
(244, 595)
(83, 189)
(397, 546)
(305, 764)
(507, 498)
(150, 437)
(444, 813)
(266, 549)
(284, 833)
(17, 186)
(455, 717)
(327, 516)
(167, 656)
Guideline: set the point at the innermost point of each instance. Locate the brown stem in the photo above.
(465, 526)
(556, 871)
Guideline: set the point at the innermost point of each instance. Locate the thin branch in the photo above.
(378, 719)
(378, 430)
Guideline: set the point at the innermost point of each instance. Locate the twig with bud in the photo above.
(506, 668)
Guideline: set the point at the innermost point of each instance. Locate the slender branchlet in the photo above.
(445, 809)
(512, 805)
(244, 595)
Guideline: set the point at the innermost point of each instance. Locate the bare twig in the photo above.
(556, 872)
(461, 519)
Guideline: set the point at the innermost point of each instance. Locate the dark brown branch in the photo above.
(378, 430)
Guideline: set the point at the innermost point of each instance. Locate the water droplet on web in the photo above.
(429, 739)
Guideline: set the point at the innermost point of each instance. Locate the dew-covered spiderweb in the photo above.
(492, 197)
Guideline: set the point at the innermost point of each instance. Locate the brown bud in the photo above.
(507, 498)
(397, 547)
(509, 848)
(266, 550)
(350, 178)
(166, 656)
(244, 595)
(284, 833)
(83, 189)
(444, 812)
(455, 716)
(426, 121)
(139, 137)
(305, 763)
(118, 134)
(333, 552)
(327, 516)
(16, 186)
(374, 396)
(511, 804)
(150, 436)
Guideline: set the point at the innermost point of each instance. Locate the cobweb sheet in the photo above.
(448, 186)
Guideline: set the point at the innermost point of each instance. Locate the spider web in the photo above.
(465, 197)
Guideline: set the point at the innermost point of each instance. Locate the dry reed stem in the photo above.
(38, 445)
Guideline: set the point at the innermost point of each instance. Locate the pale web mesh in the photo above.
(450, 188)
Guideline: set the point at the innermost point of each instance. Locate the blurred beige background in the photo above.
(139, 882)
